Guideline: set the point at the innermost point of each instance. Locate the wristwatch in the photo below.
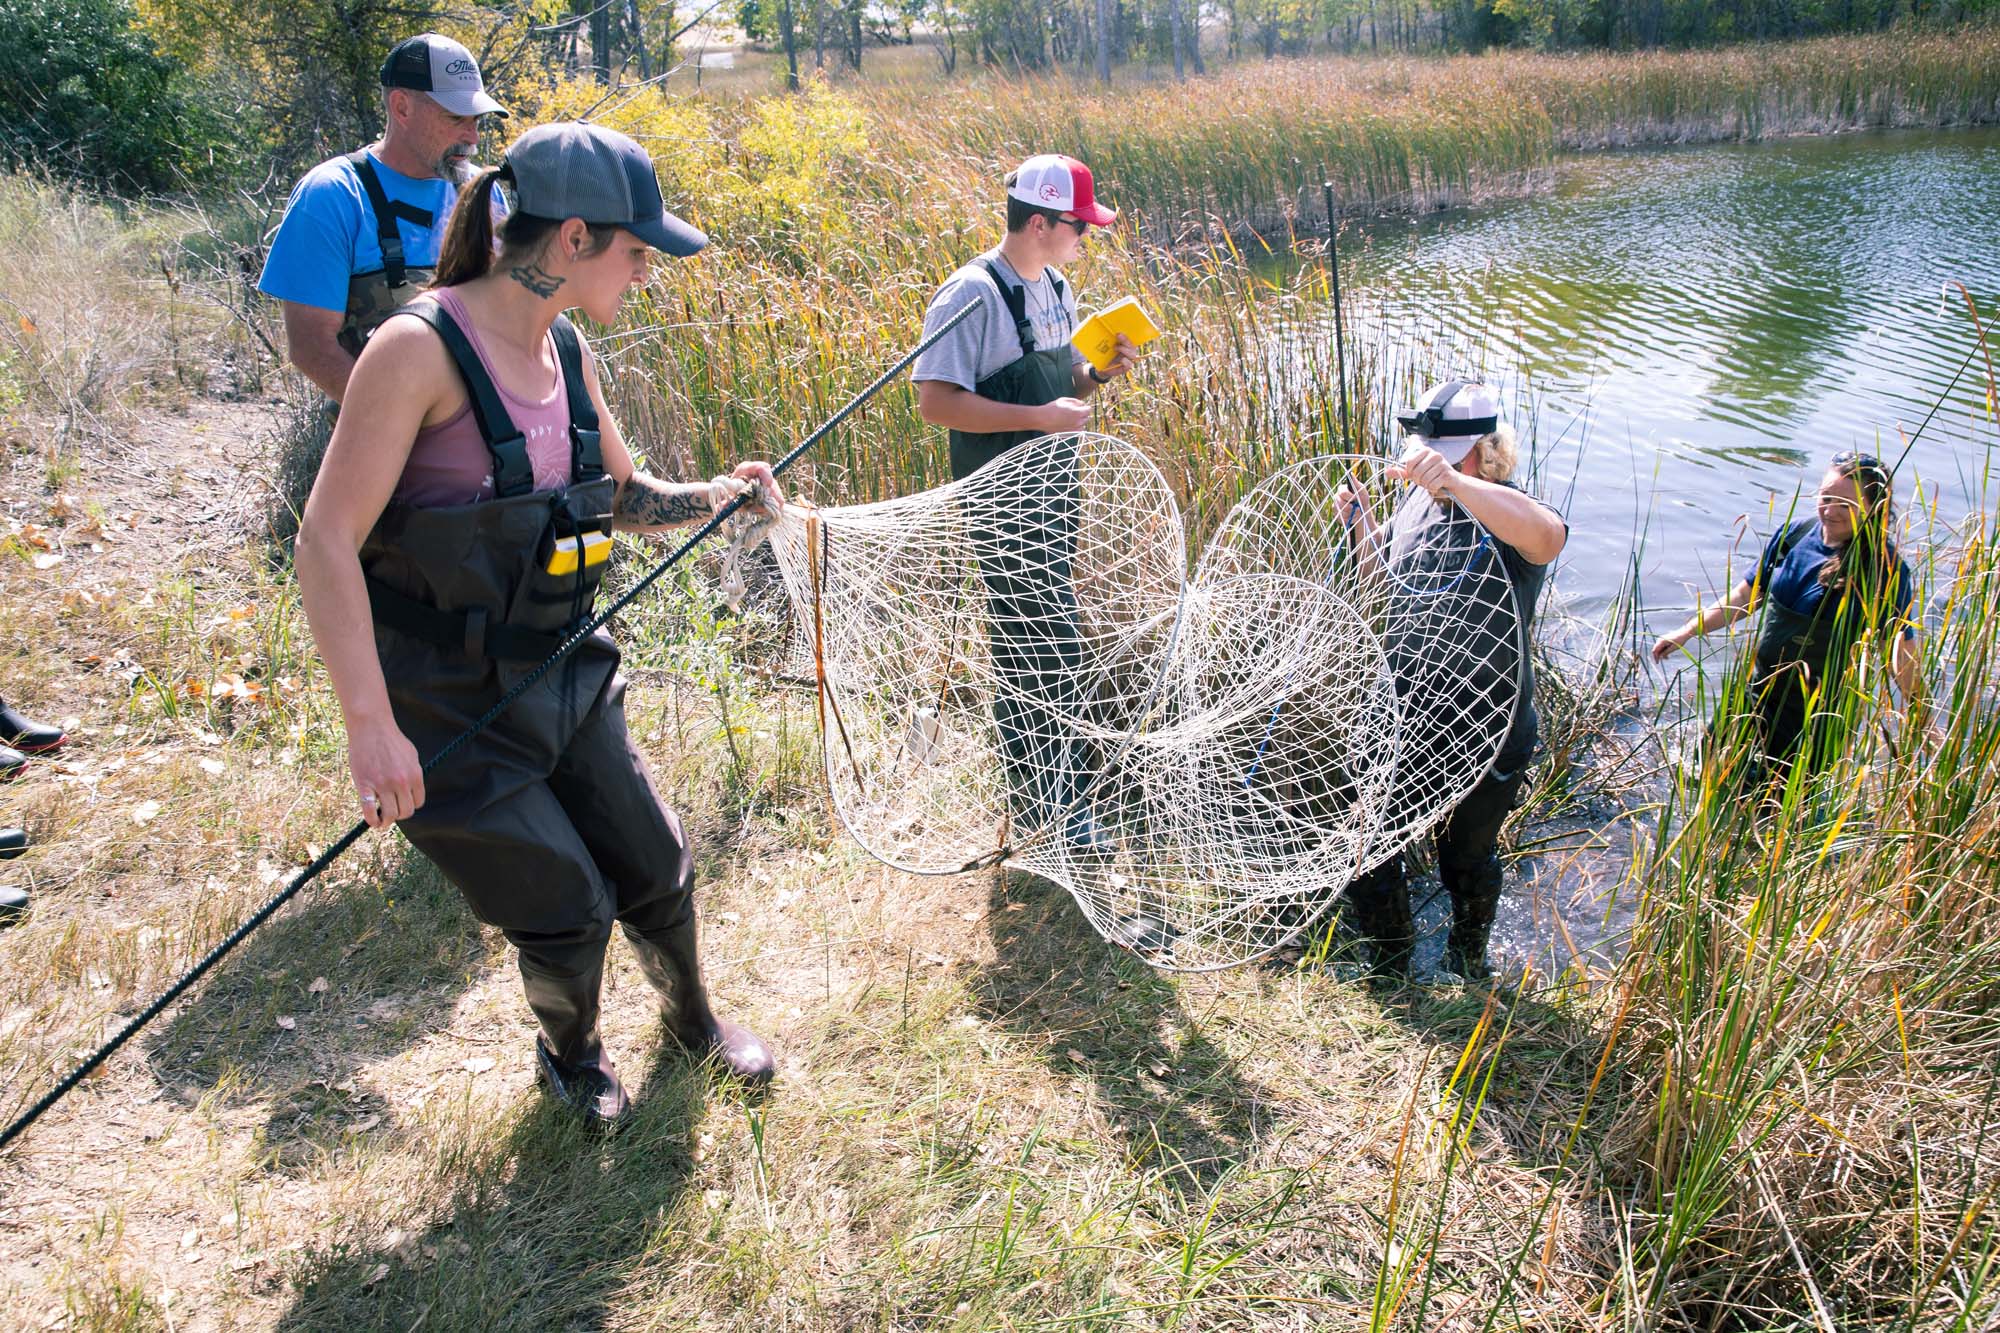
(1096, 378)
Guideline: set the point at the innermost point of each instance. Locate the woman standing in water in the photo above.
(455, 536)
(1825, 582)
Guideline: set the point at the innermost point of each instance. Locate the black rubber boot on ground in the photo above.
(27, 735)
(1475, 898)
(13, 904)
(12, 763)
(568, 1055)
(672, 967)
(1380, 904)
(591, 1090)
(13, 842)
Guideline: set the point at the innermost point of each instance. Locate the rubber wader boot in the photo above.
(13, 842)
(13, 904)
(1475, 897)
(12, 763)
(1380, 901)
(568, 1055)
(670, 964)
(27, 735)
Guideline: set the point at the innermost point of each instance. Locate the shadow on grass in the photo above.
(1100, 1013)
(394, 954)
(543, 1228)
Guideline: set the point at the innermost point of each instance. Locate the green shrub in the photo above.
(83, 93)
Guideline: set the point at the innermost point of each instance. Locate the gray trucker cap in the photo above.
(443, 69)
(575, 169)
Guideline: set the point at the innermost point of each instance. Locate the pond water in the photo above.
(1693, 333)
(1690, 335)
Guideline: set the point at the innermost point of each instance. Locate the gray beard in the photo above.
(455, 169)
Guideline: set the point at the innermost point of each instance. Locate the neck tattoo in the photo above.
(535, 278)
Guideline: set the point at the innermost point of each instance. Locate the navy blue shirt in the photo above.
(1788, 573)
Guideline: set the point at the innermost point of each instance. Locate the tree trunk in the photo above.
(1180, 38)
(819, 34)
(788, 31)
(639, 39)
(1104, 13)
(854, 34)
(600, 42)
(1194, 37)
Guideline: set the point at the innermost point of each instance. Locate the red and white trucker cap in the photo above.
(1050, 180)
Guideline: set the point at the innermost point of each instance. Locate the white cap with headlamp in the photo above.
(1452, 417)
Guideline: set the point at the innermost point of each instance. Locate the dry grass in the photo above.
(1779, 1113)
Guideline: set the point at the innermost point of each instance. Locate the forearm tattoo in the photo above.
(648, 502)
(535, 278)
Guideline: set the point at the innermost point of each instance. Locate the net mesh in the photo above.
(1017, 665)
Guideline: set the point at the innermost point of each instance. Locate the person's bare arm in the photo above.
(1903, 658)
(1742, 600)
(396, 383)
(1516, 518)
(644, 503)
(1352, 507)
(943, 403)
(312, 341)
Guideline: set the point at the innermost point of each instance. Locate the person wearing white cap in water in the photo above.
(1004, 376)
(362, 232)
(1461, 456)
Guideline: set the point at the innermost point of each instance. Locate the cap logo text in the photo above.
(461, 67)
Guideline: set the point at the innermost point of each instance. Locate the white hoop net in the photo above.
(1014, 665)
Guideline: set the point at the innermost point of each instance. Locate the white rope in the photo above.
(747, 530)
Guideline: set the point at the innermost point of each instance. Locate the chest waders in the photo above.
(1027, 546)
(547, 821)
(1465, 841)
(1798, 653)
(373, 297)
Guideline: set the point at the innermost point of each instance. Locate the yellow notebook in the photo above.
(1097, 339)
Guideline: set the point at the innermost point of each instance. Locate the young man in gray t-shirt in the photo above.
(962, 382)
(1006, 375)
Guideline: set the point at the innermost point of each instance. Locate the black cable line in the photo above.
(348, 839)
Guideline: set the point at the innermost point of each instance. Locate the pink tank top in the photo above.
(449, 463)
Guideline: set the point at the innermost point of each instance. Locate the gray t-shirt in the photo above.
(988, 341)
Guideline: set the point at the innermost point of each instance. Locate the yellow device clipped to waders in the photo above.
(562, 553)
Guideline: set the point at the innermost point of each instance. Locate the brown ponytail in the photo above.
(468, 240)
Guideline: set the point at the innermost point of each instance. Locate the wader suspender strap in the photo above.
(586, 455)
(387, 210)
(512, 473)
(1016, 299)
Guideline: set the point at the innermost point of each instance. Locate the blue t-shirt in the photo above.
(1788, 573)
(328, 232)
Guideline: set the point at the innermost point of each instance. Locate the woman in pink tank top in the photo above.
(449, 463)
(431, 588)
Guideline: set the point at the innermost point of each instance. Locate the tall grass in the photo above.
(1248, 148)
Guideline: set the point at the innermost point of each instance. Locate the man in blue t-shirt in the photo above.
(361, 232)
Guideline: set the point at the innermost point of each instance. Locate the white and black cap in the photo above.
(1452, 417)
(574, 169)
(436, 65)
